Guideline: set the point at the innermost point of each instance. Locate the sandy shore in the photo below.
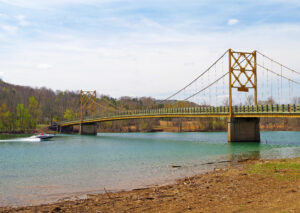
(256, 186)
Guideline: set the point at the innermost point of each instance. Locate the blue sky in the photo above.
(133, 47)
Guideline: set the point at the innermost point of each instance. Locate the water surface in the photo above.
(33, 172)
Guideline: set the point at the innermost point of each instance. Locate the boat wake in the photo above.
(28, 139)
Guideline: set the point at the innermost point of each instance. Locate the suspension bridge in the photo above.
(222, 90)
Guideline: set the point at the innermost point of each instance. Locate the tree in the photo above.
(271, 100)
(225, 102)
(69, 115)
(182, 104)
(296, 100)
(34, 111)
(5, 119)
(22, 118)
(249, 100)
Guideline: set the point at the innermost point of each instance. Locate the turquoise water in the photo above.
(33, 172)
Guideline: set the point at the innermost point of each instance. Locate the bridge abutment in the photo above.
(88, 129)
(243, 130)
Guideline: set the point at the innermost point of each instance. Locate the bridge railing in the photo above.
(275, 108)
(170, 111)
(205, 110)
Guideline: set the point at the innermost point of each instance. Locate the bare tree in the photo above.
(296, 100)
(225, 102)
(271, 100)
(249, 100)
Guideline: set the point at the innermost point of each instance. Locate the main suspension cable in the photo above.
(171, 96)
(206, 87)
(282, 76)
(278, 63)
(106, 107)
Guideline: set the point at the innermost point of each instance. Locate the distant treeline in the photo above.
(23, 108)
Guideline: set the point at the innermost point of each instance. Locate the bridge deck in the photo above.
(287, 110)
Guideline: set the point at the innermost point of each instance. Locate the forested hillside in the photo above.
(23, 108)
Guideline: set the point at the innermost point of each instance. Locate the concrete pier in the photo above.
(65, 129)
(243, 130)
(88, 129)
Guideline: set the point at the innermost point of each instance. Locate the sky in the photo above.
(137, 47)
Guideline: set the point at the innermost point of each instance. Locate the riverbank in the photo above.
(40, 128)
(165, 126)
(252, 186)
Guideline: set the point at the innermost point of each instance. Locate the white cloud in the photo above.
(139, 64)
(44, 66)
(47, 3)
(9, 28)
(4, 16)
(144, 56)
(22, 20)
(232, 21)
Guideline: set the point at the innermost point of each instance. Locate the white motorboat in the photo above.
(43, 136)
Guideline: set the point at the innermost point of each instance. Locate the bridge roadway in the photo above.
(259, 111)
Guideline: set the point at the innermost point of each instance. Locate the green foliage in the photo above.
(23, 118)
(5, 118)
(69, 115)
(23, 108)
(34, 111)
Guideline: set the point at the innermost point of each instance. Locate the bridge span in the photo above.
(242, 76)
(251, 114)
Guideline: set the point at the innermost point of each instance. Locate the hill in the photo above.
(23, 108)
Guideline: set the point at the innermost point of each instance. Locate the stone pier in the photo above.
(88, 129)
(243, 130)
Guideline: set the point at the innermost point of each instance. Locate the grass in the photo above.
(283, 169)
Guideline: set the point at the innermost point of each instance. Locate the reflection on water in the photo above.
(69, 164)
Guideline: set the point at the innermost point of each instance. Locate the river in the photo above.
(71, 166)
